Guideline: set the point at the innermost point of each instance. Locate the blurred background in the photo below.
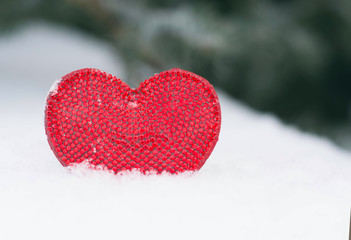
(290, 58)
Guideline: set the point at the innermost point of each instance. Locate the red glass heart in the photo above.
(171, 122)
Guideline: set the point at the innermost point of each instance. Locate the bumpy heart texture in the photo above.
(171, 122)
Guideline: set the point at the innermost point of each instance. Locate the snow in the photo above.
(264, 180)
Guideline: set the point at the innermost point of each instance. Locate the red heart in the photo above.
(171, 122)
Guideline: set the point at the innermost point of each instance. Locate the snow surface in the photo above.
(264, 180)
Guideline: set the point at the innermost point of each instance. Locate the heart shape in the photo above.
(171, 122)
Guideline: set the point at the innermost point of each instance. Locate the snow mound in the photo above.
(263, 180)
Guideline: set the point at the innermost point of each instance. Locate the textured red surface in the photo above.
(171, 122)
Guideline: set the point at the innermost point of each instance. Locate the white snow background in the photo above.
(264, 180)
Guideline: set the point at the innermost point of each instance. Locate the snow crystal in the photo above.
(54, 86)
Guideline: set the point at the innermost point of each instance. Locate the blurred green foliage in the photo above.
(289, 57)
